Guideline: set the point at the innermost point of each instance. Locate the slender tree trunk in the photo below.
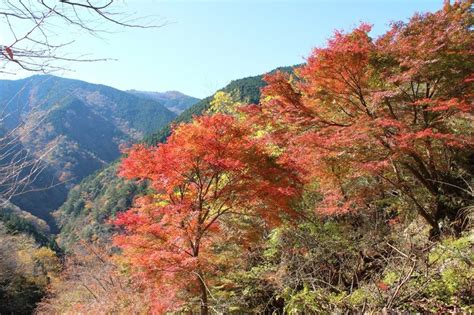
(203, 288)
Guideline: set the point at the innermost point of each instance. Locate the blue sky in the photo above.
(206, 44)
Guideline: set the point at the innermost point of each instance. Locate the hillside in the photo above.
(175, 101)
(77, 128)
(29, 261)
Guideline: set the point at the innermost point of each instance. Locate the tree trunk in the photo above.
(203, 288)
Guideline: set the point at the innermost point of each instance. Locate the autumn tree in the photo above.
(209, 171)
(368, 117)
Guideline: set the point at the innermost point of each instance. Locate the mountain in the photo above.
(175, 101)
(75, 127)
(101, 195)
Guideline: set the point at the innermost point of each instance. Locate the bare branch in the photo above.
(32, 43)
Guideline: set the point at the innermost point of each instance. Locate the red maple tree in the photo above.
(365, 115)
(208, 170)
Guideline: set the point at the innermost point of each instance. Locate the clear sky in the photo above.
(206, 44)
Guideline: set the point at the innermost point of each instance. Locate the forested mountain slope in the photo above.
(76, 127)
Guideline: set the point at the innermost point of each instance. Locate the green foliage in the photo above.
(20, 295)
(85, 214)
(453, 259)
(303, 301)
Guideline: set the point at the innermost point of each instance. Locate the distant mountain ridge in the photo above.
(175, 101)
(79, 125)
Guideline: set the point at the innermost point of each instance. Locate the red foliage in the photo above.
(364, 112)
(209, 169)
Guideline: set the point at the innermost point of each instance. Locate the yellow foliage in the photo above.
(224, 103)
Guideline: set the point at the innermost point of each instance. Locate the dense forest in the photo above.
(341, 185)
